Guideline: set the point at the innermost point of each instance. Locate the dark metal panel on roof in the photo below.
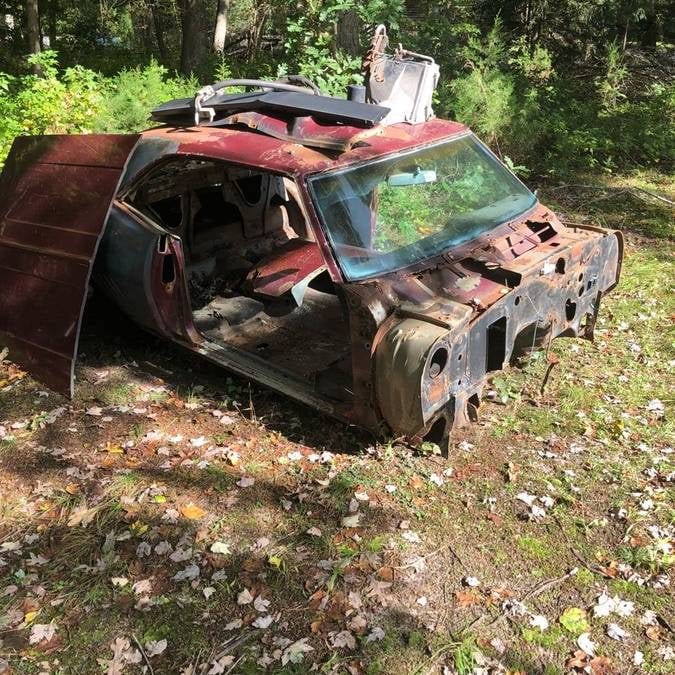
(181, 111)
(55, 194)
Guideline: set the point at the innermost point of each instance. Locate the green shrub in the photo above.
(78, 100)
(133, 93)
(48, 104)
(484, 98)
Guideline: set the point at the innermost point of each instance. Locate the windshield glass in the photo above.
(394, 212)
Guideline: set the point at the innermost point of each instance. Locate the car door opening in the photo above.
(256, 278)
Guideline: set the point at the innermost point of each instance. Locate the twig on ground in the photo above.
(591, 568)
(545, 585)
(537, 590)
(664, 623)
(145, 656)
(234, 665)
(431, 555)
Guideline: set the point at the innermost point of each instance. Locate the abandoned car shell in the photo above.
(223, 238)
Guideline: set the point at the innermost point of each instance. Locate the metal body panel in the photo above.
(487, 314)
(424, 339)
(132, 265)
(55, 194)
(278, 274)
(333, 110)
(290, 157)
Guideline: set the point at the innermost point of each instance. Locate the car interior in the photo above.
(257, 279)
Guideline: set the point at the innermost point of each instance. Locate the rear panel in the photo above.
(55, 194)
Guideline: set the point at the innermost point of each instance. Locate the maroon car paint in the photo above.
(55, 194)
(464, 305)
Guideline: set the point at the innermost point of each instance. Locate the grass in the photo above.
(535, 548)
(589, 442)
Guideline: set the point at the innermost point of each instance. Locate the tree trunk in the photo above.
(155, 13)
(220, 32)
(33, 30)
(52, 13)
(192, 38)
(348, 29)
(653, 29)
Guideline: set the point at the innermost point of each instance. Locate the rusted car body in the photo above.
(255, 240)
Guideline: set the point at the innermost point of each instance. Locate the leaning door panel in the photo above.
(55, 194)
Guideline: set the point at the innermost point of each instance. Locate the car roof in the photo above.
(301, 147)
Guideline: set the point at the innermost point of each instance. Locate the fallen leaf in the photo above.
(351, 521)
(467, 598)
(261, 604)
(143, 586)
(573, 619)
(295, 652)
(615, 632)
(578, 661)
(467, 283)
(192, 511)
(190, 573)
(385, 573)
(601, 665)
(539, 621)
(220, 547)
(343, 639)
(42, 632)
(584, 642)
(155, 648)
(653, 633)
(245, 597)
(81, 515)
(263, 621)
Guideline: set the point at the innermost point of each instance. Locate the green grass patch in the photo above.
(535, 548)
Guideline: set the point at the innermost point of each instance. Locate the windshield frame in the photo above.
(326, 231)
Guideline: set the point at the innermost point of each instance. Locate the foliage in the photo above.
(483, 99)
(51, 103)
(331, 73)
(611, 85)
(134, 92)
(78, 100)
(556, 89)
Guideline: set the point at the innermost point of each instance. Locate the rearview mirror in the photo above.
(418, 177)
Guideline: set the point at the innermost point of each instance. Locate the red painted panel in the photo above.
(287, 156)
(278, 273)
(55, 194)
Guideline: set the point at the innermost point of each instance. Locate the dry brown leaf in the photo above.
(108, 462)
(497, 520)
(192, 511)
(653, 633)
(500, 594)
(467, 598)
(416, 482)
(385, 573)
(579, 660)
(316, 598)
(72, 488)
(602, 665)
